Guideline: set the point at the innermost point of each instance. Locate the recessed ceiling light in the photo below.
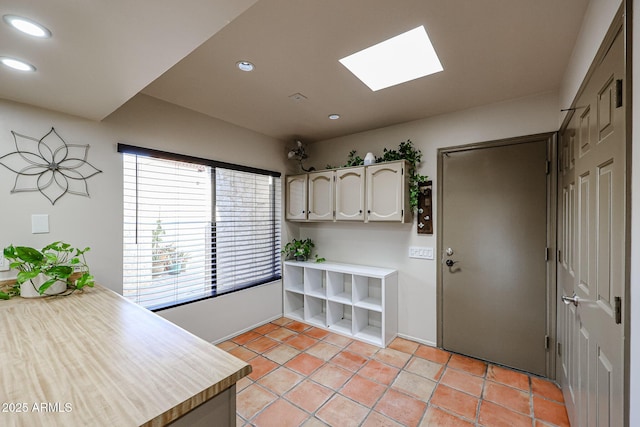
(16, 64)
(399, 59)
(245, 66)
(27, 26)
(334, 116)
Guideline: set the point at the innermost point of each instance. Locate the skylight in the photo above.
(399, 59)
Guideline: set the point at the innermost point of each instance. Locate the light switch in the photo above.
(39, 224)
(428, 253)
(421, 252)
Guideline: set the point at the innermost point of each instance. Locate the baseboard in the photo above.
(418, 340)
(228, 337)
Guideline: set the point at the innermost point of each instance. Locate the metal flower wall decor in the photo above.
(49, 165)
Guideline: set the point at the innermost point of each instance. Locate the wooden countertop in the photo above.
(96, 359)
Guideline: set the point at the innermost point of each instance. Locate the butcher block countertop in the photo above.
(96, 359)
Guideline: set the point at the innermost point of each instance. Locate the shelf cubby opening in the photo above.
(315, 282)
(368, 326)
(339, 287)
(294, 278)
(340, 318)
(316, 311)
(368, 293)
(294, 305)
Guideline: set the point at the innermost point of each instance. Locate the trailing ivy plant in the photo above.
(405, 151)
(353, 159)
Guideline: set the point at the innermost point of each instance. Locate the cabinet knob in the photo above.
(368, 211)
(360, 211)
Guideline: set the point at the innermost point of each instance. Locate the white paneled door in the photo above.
(591, 240)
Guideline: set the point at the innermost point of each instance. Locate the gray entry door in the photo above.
(494, 277)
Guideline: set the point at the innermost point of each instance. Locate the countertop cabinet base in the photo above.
(352, 300)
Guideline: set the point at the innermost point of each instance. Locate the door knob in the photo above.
(571, 300)
(450, 262)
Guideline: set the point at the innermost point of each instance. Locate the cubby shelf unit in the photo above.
(357, 301)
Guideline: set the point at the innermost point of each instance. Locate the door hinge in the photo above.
(547, 342)
(559, 349)
(618, 310)
(559, 255)
(548, 167)
(618, 93)
(546, 254)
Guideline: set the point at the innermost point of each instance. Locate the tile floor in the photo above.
(305, 376)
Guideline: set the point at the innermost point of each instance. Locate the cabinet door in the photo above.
(350, 194)
(321, 196)
(296, 196)
(385, 192)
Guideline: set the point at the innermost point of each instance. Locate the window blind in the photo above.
(246, 229)
(194, 230)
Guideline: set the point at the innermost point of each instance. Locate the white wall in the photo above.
(387, 245)
(595, 24)
(97, 221)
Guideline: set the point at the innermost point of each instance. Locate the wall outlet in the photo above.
(421, 252)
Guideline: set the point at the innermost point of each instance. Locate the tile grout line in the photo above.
(354, 373)
(368, 358)
(340, 388)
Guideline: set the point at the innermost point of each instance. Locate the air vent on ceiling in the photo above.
(298, 97)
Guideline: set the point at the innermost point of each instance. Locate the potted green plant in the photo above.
(300, 250)
(53, 270)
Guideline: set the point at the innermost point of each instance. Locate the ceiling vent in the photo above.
(298, 97)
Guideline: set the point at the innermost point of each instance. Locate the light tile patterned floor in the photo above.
(305, 376)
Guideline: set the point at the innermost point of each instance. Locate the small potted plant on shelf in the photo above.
(300, 250)
(54, 270)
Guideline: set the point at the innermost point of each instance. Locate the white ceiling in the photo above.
(103, 53)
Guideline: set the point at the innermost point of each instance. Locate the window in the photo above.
(195, 228)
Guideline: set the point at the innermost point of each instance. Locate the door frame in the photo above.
(551, 139)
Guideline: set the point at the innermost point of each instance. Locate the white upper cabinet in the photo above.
(350, 184)
(296, 197)
(321, 197)
(386, 192)
(372, 193)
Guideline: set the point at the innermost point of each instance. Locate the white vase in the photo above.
(29, 289)
(369, 159)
